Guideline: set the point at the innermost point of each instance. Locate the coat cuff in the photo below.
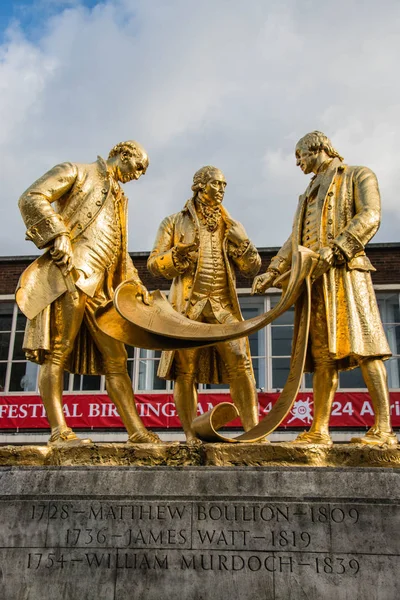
(181, 264)
(278, 264)
(246, 258)
(167, 266)
(348, 244)
(240, 249)
(44, 231)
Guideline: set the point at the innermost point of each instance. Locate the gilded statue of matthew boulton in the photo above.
(86, 257)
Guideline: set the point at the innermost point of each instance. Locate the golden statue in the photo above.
(336, 217)
(199, 248)
(86, 256)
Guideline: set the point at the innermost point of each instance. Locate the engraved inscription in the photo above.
(264, 543)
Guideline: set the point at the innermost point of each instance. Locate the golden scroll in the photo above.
(160, 327)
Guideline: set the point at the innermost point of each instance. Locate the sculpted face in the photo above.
(306, 159)
(214, 190)
(130, 166)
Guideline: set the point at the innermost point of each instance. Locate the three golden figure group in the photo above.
(77, 213)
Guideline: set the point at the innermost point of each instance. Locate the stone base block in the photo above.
(198, 533)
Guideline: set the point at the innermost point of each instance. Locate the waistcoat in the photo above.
(103, 235)
(312, 221)
(211, 282)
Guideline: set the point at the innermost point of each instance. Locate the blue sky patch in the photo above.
(30, 14)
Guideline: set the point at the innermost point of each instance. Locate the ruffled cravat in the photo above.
(210, 215)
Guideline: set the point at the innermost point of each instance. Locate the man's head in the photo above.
(313, 150)
(209, 185)
(128, 160)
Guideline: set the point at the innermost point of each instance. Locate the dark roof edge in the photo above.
(267, 249)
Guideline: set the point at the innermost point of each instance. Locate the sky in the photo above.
(230, 83)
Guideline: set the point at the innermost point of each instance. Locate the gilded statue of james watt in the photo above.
(77, 213)
(336, 217)
(199, 248)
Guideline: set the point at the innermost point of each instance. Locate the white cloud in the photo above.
(214, 82)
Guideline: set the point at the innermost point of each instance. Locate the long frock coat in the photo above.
(184, 226)
(351, 216)
(66, 199)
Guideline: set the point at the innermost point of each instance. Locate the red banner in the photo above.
(96, 411)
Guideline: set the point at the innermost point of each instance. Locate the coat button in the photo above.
(330, 194)
(79, 225)
(104, 190)
(98, 203)
(330, 236)
(330, 206)
(330, 221)
(89, 215)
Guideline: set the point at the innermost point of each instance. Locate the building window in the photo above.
(388, 303)
(16, 373)
(86, 383)
(281, 345)
(6, 319)
(147, 363)
(253, 307)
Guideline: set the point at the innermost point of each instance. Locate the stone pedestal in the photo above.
(199, 533)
